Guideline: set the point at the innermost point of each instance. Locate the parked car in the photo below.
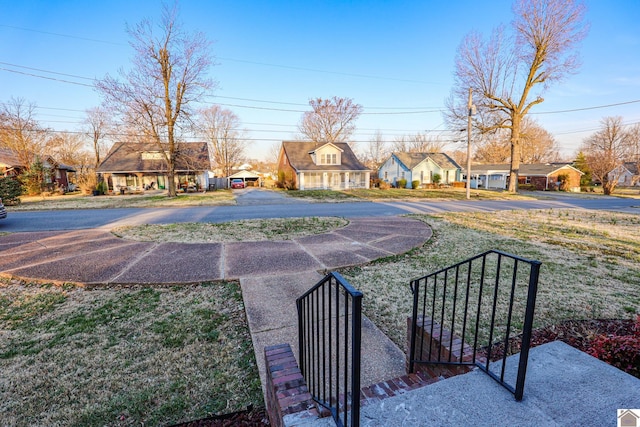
(3, 211)
(237, 183)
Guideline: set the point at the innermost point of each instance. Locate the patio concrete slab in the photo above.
(399, 244)
(28, 237)
(362, 235)
(37, 252)
(337, 257)
(174, 263)
(270, 301)
(564, 387)
(267, 258)
(89, 268)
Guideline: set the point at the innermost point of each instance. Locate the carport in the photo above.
(250, 178)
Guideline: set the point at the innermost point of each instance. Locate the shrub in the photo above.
(621, 351)
(415, 184)
(436, 178)
(526, 187)
(101, 187)
(10, 191)
(384, 185)
(401, 183)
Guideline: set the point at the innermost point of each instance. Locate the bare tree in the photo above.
(169, 75)
(417, 143)
(492, 148)
(221, 129)
(66, 147)
(508, 73)
(21, 132)
(331, 120)
(538, 145)
(634, 140)
(376, 151)
(606, 151)
(97, 124)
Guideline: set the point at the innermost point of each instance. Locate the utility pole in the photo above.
(471, 107)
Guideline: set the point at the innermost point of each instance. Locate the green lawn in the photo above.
(590, 263)
(130, 356)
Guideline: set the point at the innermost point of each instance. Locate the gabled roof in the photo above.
(632, 167)
(132, 157)
(10, 158)
(411, 160)
(536, 169)
(299, 155)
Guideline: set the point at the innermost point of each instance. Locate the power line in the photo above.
(588, 108)
(47, 71)
(63, 35)
(44, 77)
(416, 110)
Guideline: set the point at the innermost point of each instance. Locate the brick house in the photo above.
(542, 176)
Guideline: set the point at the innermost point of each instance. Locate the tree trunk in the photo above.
(514, 171)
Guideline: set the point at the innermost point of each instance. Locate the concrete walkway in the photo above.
(272, 274)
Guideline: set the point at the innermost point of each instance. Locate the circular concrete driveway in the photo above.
(93, 257)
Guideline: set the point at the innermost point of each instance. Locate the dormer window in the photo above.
(328, 159)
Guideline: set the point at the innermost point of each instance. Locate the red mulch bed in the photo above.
(576, 333)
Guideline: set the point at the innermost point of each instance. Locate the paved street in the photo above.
(266, 204)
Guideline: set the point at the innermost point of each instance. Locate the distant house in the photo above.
(309, 165)
(627, 174)
(59, 176)
(56, 176)
(420, 167)
(136, 166)
(543, 176)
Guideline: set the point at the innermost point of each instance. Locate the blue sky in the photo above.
(396, 58)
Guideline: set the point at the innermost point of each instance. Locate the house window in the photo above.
(386, 175)
(402, 174)
(328, 159)
(421, 176)
(527, 180)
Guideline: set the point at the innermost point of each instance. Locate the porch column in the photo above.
(301, 181)
(367, 179)
(325, 180)
(346, 180)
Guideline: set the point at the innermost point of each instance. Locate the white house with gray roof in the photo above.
(420, 167)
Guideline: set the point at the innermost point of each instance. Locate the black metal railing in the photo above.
(484, 302)
(329, 338)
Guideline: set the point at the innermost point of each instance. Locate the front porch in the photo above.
(332, 180)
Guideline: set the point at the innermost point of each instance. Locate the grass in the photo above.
(152, 199)
(134, 356)
(401, 194)
(246, 230)
(590, 265)
(433, 194)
